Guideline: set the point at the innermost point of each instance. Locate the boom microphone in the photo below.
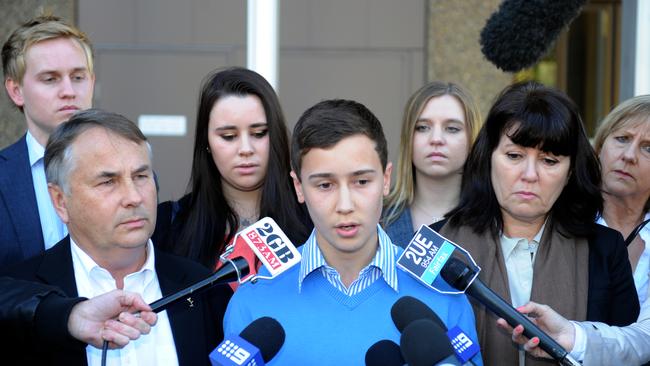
(459, 275)
(520, 32)
(384, 353)
(257, 344)
(231, 271)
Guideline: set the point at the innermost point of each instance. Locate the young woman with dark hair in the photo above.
(240, 171)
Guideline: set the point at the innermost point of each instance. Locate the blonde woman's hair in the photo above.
(628, 113)
(401, 195)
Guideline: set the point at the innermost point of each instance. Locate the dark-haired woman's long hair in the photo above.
(208, 222)
(541, 117)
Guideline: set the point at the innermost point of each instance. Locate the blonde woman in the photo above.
(440, 123)
(622, 143)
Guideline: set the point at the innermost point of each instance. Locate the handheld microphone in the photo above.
(408, 309)
(520, 32)
(256, 345)
(384, 353)
(271, 246)
(460, 276)
(424, 343)
(231, 271)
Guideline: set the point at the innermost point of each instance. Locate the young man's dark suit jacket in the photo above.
(197, 330)
(21, 236)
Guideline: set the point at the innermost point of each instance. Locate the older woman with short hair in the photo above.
(529, 200)
(622, 143)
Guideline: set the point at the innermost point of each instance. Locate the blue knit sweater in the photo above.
(326, 327)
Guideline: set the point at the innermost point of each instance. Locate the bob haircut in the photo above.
(401, 194)
(632, 112)
(532, 115)
(210, 222)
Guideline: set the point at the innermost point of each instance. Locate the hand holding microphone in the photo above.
(460, 276)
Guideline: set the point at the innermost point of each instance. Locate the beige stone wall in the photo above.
(454, 52)
(13, 13)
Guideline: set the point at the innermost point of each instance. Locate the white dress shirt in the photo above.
(519, 256)
(51, 225)
(155, 348)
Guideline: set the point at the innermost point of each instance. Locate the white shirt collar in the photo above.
(34, 149)
(89, 269)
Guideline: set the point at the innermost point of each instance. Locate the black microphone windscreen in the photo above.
(520, 32)
(424, 343)
(407, 309)
(266, 334)
(457, 274)
(384, 353)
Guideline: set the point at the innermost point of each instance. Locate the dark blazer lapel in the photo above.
(17, 190)
(181, 319)
(56, 267)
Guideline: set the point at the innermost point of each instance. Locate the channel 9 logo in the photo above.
(236, 351)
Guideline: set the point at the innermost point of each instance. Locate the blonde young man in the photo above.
(48, 74)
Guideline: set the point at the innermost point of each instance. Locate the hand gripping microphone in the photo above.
(256, 345)
(384, 353)
(408, 309)
(424, 343)
(459, 275)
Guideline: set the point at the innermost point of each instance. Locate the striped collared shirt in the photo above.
(382, 265)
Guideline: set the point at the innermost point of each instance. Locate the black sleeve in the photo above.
(26, 310)
(612, 294)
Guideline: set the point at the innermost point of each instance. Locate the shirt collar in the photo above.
(34, 149)
(508, 245)
(88, 265)
(312, 259)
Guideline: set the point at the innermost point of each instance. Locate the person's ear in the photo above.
(15, 92)
(387, 173)
(297, 186)
(59, 200)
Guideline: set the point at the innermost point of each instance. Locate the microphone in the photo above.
(271, 246)
(460, 276)
(384, 353)
(424, 343)
(256, 345)
(520, 32)
(408, 309)
(233, 270)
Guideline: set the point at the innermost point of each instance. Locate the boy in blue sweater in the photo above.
(336, 303)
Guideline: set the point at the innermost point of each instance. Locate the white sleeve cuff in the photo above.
(580, 342)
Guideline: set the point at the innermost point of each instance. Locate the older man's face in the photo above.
(111, 206)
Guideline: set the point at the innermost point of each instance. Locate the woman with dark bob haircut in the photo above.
(240, 172)
(530, 196)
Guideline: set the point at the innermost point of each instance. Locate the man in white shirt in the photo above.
(100, 179)
(48, 74)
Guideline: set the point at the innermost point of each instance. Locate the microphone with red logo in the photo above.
(269, 244)
(256, 345)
